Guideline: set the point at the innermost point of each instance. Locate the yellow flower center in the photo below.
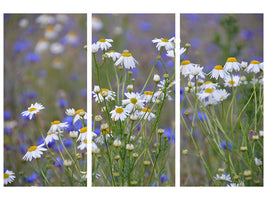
(57, 60)
(164, 40)
(32, 109)
(102, 40)
(55, 122)
(6, 175)
(119, 110)
(83, 130)
(32, 148)
(148, 93)
(85, 141)
(133, 100)
(185, 62)
(106, 131)
(231, 82)
(209, 90)
(218, 67)
(254, 62)
(146, 110)
(50, 28)
(126, 54)
(231, 59)
(207, 82)
(78, 111)
(112, 51)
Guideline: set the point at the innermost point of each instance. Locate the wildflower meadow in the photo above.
(221, 104)
(133, 97)
(45, 119)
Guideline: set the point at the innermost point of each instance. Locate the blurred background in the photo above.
(214, 38)
(135, 33)
(44, 62)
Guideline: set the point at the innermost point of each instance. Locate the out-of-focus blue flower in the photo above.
(9, 148)
(223, 145)
(181, 94)
(68, 142)
(74, 77)
(8, 131)
(170, 64)
(22, 148)
(153, 184)
(248, 35)
(7, 114)
(97, 131)
(194, 18)
(42, 73)
(32, 178)
(59, 162)
(145, 26)
(170, 133)
(84, 92)
(22, 45)
(33, 57)
(63, 103)
(201, 116)
(129, 35)
(195, 43)
(163, 178)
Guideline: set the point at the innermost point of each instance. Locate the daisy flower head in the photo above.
(147, 96)
(186, 67)
(168, 44)
(146, 114)
(113, 54)
(83, 134)
(223, 177)
(51, 136)
(95, 48)
(57, 126)
(232, 65)
(253, 67)
(218, 71)
(70, 112)
(208, 84)
(41, 46)
(34, 152)
(126, 60)
(104, 93)
(206, 93)
(232, 81)
(104, 44)
(79, 114)
(84, 174)
(220, 94)
(83, 145)
(119, 113)
(134, 101)
(9, 177)
(196, 71)
(32, 110)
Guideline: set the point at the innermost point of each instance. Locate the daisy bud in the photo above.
(186, 89)
(85, 47)
(104, 93)
(243, 148)
(95, 151)
(187, 45)
(258, 162)
(244, 64)
(98, 118)
(79, 156)
(158, 57)
(67, 163)
(129, 147)
(103, 127)
(243, 78)
(161, 131)
(135, 155)
(105, 56)
(133, 182)
(117, 143)
(117, 157)
(133, 117)
(248, 178)
(157, 101)
(255, 137)
(120, 67)
(185, 152)
(200, 82)
(236, 177)
(130, 73)
(247, 173)
(256, 181)
(220, 170)
(165, 76)
(82, 113)
(261, 133)
(133, 80)
(103, 109)
(156, 78)
(146, 162)
(116, 174)
(129, 88)
(73, 134)
(96, 89)
(186, 112)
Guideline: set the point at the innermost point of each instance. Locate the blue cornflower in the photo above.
(42, 73)
(7, 114)
(68, 142)
(32, 178)
(22, 45)
(84, 92)
(248, 35)
(170, 133)
(163, 178)
(33, 57)
(63, 103)
(145, 26)
(201, 116)
(223, 145)
(58, 162)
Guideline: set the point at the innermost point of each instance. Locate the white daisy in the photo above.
(206, 93)
(104, 44)
(9, 177)
(95, 48)
(57, 126)
(57, 48)
(254, 67)
(223, 177)
(218, 71)
(51, 136)
(32, 110)
(170, 53)
(50, 33)
(195, 71)
(83, 134)
(146, 113)
(41, 46)
(232, 82)
(232, 65)
(72, 38)
(84, 174)
(70, 112)
(113, 54)
(119, 113)
(79, 114)
(99, 97)
(83, 145)
(168, 44)
(233, 185)
(186, 67)
(134, 101)
(34, 152)
(45, 19)
(208, 84)
(258, 162)
(126, 60)
(147, 96)
(220, 95)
